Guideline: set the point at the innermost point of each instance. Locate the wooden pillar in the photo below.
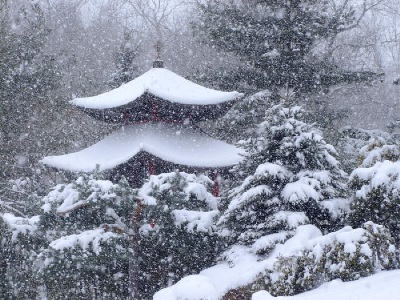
(154, 116)
(152, 167)
(134, 252)
(215, 188)
(125, 118)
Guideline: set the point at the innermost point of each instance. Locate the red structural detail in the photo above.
(190, 115)
(164, 121)
(151, 167)
(125, 118)
(152, 223)
(154, 116)
(215, 188)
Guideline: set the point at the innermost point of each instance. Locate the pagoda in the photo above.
(158, 112)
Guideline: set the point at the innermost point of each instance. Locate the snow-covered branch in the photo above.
(10, 208)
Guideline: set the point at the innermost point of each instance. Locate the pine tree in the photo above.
(124, 62)
(352, 139)
(375, 186)
(19, 217)
(26, 77)
(86, 253)
(19, 241)
(178, 230)
(240, 120)
(327, 257)
(275, 41)
(87, 250)
(289, 172)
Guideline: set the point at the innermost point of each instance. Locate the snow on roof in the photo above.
(170, 142)
(161, 83)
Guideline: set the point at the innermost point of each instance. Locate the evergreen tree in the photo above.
(351, 140)
(124, 61)
(86, 253)
(275, 39)
(375, 186)
(178, 232)
(327, 257)
(26, 77)
(85, 227)
(19, 210)
(241, 119)
(289, 172)
(19, 241)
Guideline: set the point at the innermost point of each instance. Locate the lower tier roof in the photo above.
(173, 143)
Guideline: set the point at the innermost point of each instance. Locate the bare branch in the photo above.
(156, 13)
(339, 10)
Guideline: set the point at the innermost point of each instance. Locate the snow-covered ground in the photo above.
(243, 266)
(383, 285)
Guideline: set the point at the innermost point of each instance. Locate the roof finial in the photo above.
(158, 49)
(158, 63)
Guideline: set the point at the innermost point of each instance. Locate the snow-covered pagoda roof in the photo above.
(182, 145)
(161, 83)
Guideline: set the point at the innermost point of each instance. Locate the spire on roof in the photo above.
(158, 63)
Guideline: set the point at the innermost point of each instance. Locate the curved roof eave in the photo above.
(162, 83)
(170, 142)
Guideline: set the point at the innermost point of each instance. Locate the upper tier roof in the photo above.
(180, 145)
(161, 83)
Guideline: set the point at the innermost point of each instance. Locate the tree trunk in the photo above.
(134, 253)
